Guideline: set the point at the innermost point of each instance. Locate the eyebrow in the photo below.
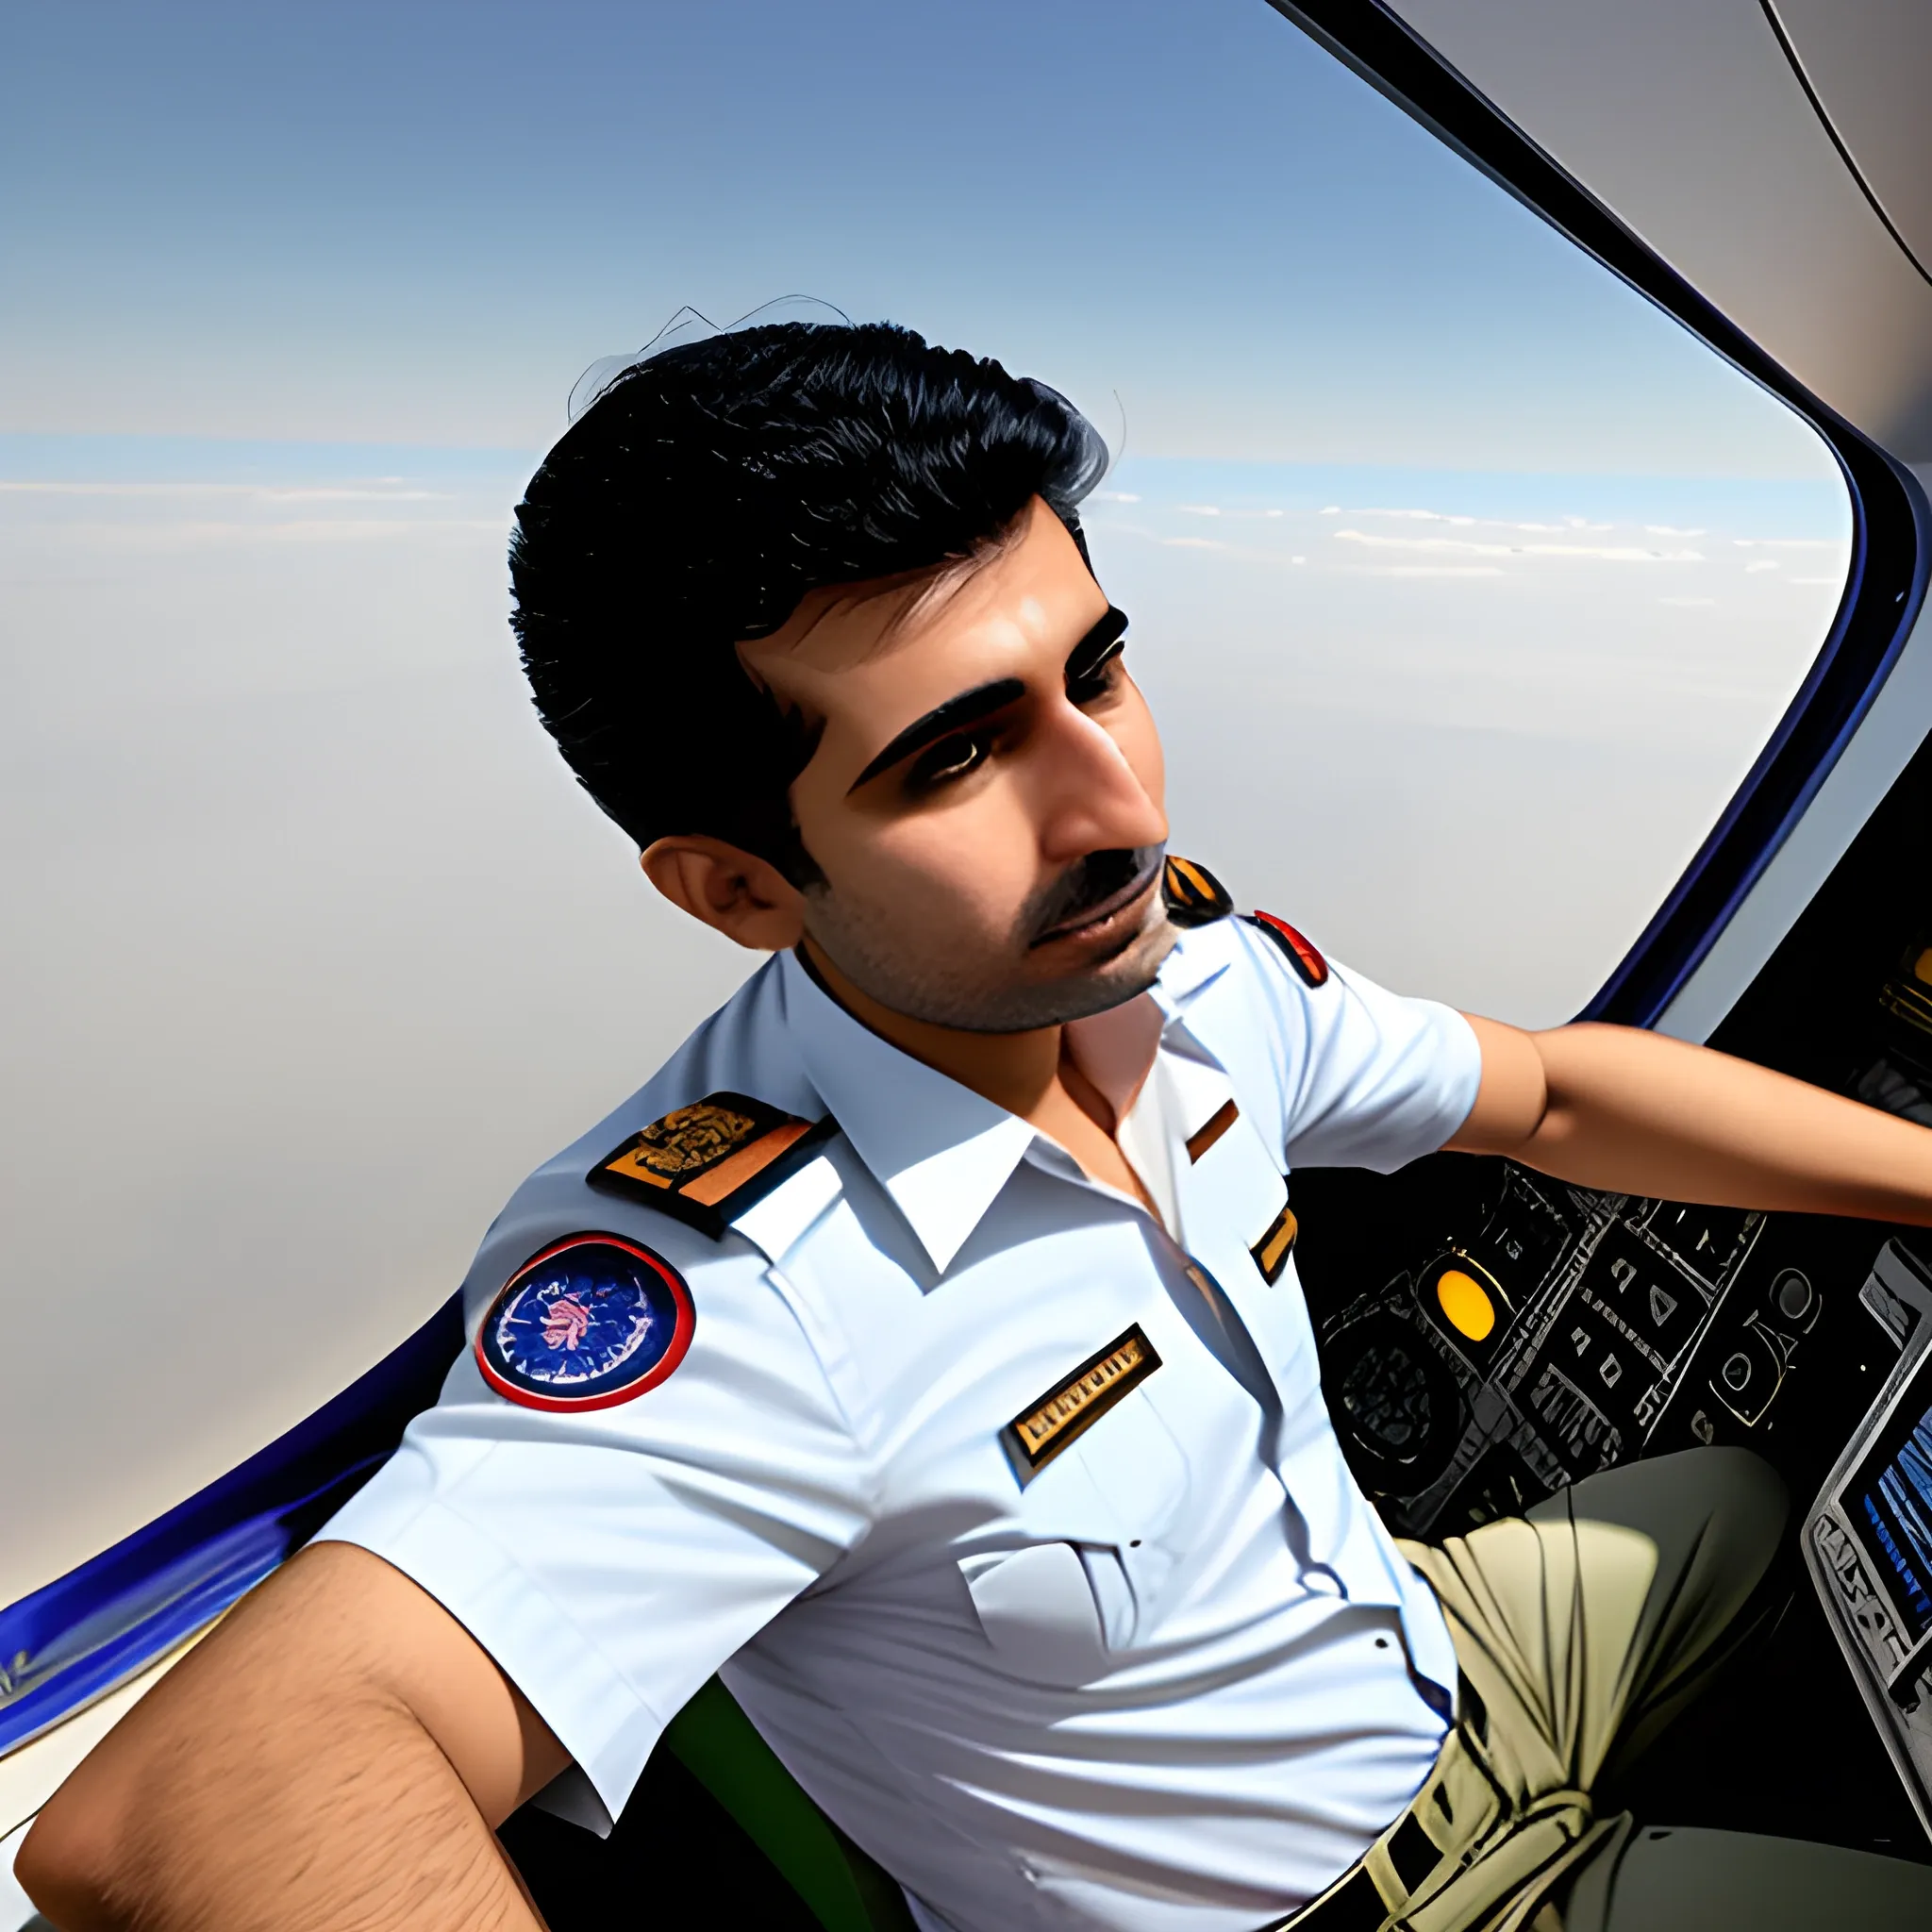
(1087, 654)
(970, 707)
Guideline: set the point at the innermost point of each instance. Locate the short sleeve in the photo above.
(1370, 1078)
(610, 1560)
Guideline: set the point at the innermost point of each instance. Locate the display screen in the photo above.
(1889, 1506)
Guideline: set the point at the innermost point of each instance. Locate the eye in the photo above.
(1093, 679)
(948, 761)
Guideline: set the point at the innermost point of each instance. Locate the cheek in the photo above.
(961, 873)
(972, 867)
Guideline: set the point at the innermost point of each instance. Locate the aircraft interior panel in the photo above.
(1865, 64)
(1868, 1541)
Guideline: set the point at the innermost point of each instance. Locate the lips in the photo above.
(1102, 910)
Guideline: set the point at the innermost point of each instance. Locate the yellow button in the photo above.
(1921, 966)
(1466, 1302)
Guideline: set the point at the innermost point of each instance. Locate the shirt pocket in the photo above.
(1041, 1611)
(1136, 1463)
(1104, 1528)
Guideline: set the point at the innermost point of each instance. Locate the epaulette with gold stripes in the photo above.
(1194, 895)
(707, 1162)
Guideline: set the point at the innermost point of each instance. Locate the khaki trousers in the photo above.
(1582, 1629)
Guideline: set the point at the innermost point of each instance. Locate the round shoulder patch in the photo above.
(592, 1320)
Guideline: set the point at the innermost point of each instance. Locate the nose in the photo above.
(1085, 791)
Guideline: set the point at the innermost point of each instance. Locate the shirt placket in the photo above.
(1218, 1191)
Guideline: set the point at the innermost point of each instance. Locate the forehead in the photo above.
(943, 629)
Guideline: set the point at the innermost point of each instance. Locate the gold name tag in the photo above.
(1041, 1432)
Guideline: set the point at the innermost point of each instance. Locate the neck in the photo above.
(1019, 1072)
(1029, 1074)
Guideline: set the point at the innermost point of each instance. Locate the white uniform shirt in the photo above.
(1179, 1678)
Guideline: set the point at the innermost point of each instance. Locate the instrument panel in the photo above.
(1868, 1538)
(1490, 1335)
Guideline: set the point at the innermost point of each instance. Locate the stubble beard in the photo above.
(987, 995)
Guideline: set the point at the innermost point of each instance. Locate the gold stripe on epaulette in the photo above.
(1205, 1137)
(1271, 1251)
(1193, 896)
(711, 1160)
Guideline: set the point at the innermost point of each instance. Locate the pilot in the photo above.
(921, 1347)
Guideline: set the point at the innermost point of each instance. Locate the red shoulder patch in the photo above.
(1299, 953)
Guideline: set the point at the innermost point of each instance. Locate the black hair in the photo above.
(699, 498)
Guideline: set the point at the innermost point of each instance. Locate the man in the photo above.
(921, 1344)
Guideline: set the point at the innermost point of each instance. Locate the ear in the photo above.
(746, 898)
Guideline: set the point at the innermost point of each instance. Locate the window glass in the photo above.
(1468, 726)
(1466, 586)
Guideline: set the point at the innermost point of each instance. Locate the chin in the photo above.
(1122, 974)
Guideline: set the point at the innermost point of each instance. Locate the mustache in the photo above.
(1087, 885)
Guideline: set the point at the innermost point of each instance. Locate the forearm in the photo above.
(1634, 1113)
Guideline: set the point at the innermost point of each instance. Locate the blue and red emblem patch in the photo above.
(592, 1320)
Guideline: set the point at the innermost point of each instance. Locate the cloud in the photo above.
(333, 495)
(383, 491)
(1688, 603)
(1836, 583)
(1751, 570)
(1670, 530)
(1115, 496)
(1604, 553)
(1436, 569)
(193, 533)
(1789, 543)
(1195, 543)
(1457, 521)
(1199, 510)
(1426, 516)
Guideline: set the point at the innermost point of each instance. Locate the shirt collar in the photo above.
(942, 1151)
(1197, 958)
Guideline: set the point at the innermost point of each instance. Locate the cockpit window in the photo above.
(1466, 586)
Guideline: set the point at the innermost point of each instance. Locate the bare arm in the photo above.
(1634, 1113)
(339, 1753)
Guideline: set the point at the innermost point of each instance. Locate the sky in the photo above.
(1465, 585)
(415, 223)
